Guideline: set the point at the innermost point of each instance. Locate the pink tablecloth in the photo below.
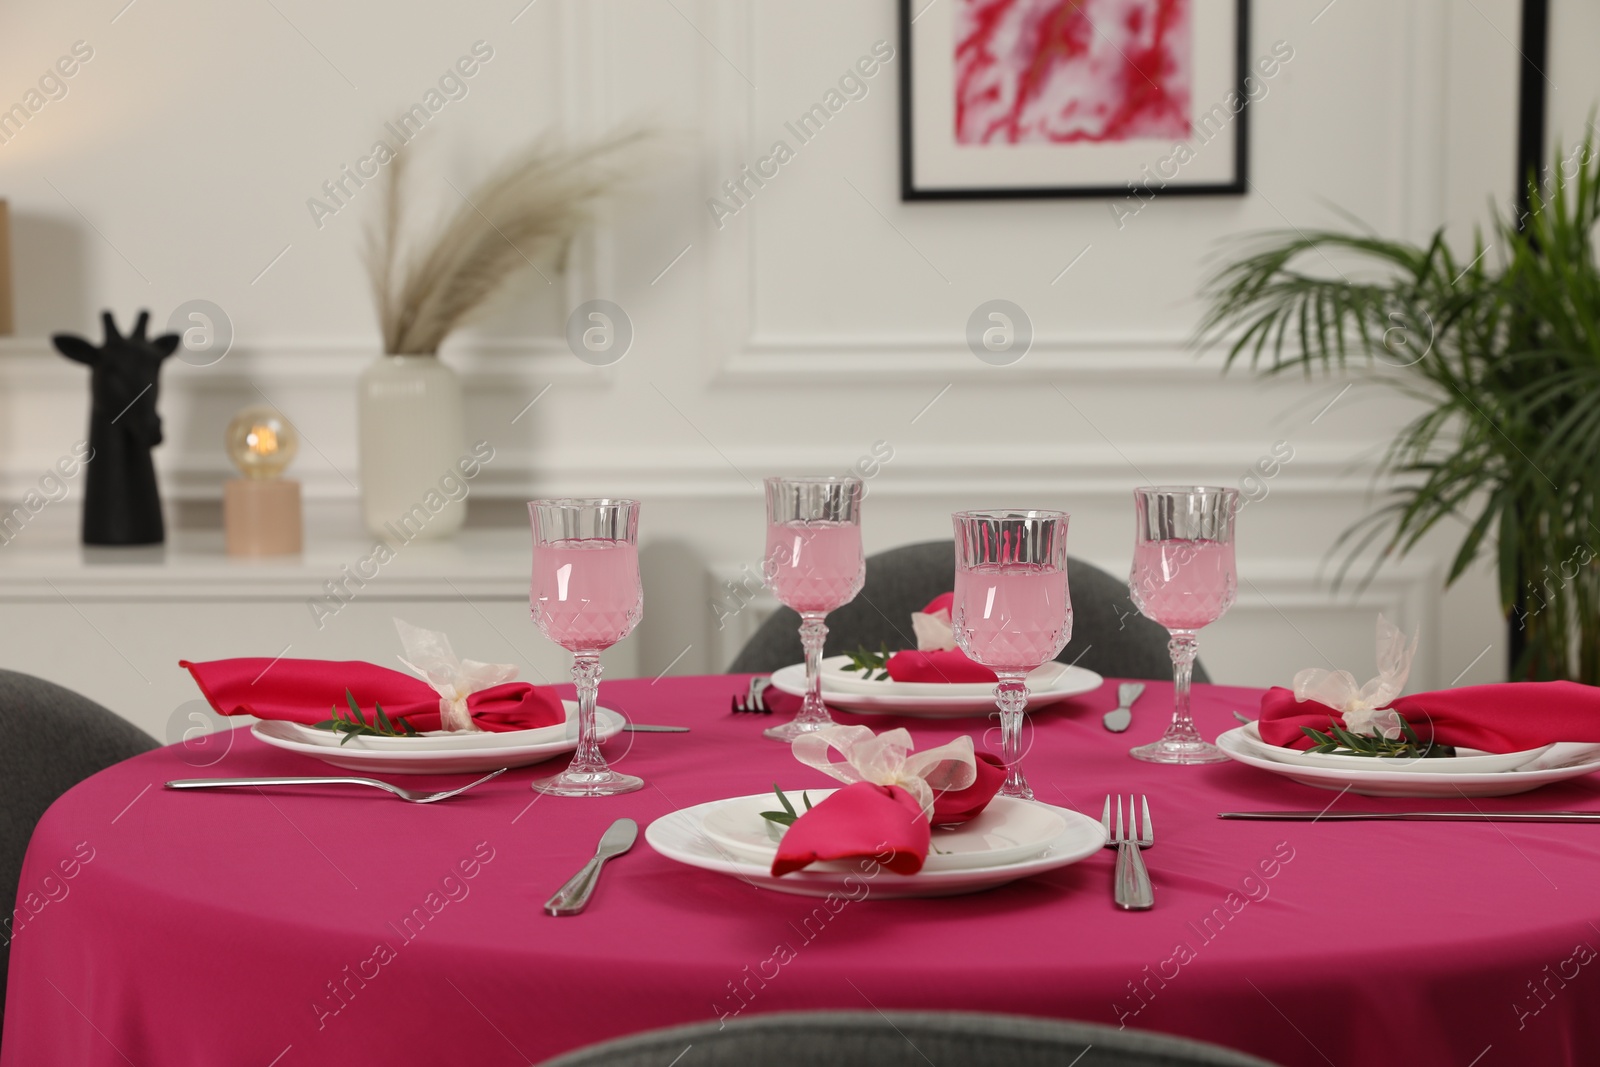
(340, 927)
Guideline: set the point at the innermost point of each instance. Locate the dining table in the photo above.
(339, 925)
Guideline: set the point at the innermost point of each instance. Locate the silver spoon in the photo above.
(1118, 719)
(574, 896)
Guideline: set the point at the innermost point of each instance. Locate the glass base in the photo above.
(1019, 792)
(794, 728)
(571, 783)
(1179, 750)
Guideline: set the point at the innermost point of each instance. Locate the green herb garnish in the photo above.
(788, 815)
(862, 659)
(1341, 742)
(354, 724)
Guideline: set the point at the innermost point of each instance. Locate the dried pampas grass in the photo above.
(528, 210)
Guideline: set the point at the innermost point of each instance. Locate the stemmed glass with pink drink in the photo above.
(814, 564)
(1183, 577)
(586, 596)
(1013, 612)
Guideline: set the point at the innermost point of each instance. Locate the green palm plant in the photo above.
(1503, 346)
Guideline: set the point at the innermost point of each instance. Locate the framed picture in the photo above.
(1053, 98)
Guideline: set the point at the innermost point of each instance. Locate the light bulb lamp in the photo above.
(261, 511)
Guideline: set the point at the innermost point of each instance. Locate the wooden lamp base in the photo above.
(261, 517)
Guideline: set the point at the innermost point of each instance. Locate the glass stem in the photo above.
(1182, 648)
(1011, 696)
(586, 676)
(813, 632)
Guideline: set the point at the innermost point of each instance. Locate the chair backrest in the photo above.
(902, 1039)
(1109, 636)
(50, 740)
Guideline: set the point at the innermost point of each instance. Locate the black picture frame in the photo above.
(909, 191)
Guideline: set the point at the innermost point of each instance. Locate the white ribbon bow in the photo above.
(885, 759)
(934, 632)
(1359, 705)
(429, 654)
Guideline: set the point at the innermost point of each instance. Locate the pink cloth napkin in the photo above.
(882, 822)
(1508, 717)
(945, 665)
(304, 691)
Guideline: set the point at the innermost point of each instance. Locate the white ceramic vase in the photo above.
(411, 437)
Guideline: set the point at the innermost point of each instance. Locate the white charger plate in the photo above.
(1006, 831)
(1465, 761)
(437, 753)
(680, 836)
(927, 700)
(1399, 783)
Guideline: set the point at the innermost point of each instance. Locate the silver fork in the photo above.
(412, 795)
(1131, 884)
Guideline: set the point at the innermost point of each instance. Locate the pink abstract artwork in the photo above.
(1072, 70)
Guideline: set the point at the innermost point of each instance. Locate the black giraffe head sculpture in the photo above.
(122, 505)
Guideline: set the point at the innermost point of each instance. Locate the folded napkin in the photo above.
(892, 799)
(1508, 717)
(936, 657)
(450, 694)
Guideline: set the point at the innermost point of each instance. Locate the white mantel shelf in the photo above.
(193, 566)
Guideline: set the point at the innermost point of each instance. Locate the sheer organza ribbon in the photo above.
(1360, 705)
(428, 653)
(887, 759)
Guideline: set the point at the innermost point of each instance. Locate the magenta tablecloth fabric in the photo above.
(338, 926)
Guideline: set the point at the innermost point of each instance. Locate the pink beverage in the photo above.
(586, 592)
(1012, 616)
(814, 566)
(1183, 584)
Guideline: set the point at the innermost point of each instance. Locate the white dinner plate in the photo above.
(1006, 831)
(681, 836)
(1465, 761)
(1398, 783)
(437, 753)
(928, 700)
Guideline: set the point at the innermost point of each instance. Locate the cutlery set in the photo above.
(1131, 887)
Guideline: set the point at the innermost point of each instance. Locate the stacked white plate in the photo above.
(437, 752)
(850, 691)
(1469, 773)
(1008, 840)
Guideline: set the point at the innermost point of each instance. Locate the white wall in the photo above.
(824, 317)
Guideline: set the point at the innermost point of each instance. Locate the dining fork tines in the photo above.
(1139, 829)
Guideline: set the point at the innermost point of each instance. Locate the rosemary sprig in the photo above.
(788, 815)
(863, 659)
(1341, 742)
(354, 724)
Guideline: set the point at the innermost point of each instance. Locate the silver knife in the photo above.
(573, 897)
(1117, 720)
(1416, 816)
(646, 728)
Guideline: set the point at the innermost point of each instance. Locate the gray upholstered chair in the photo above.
(901, 1039)
(1109, 636)
(50, 740)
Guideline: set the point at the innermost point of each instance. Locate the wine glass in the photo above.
(1013, 612)
(586, 597)
(1183, 577)
(814, 564)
